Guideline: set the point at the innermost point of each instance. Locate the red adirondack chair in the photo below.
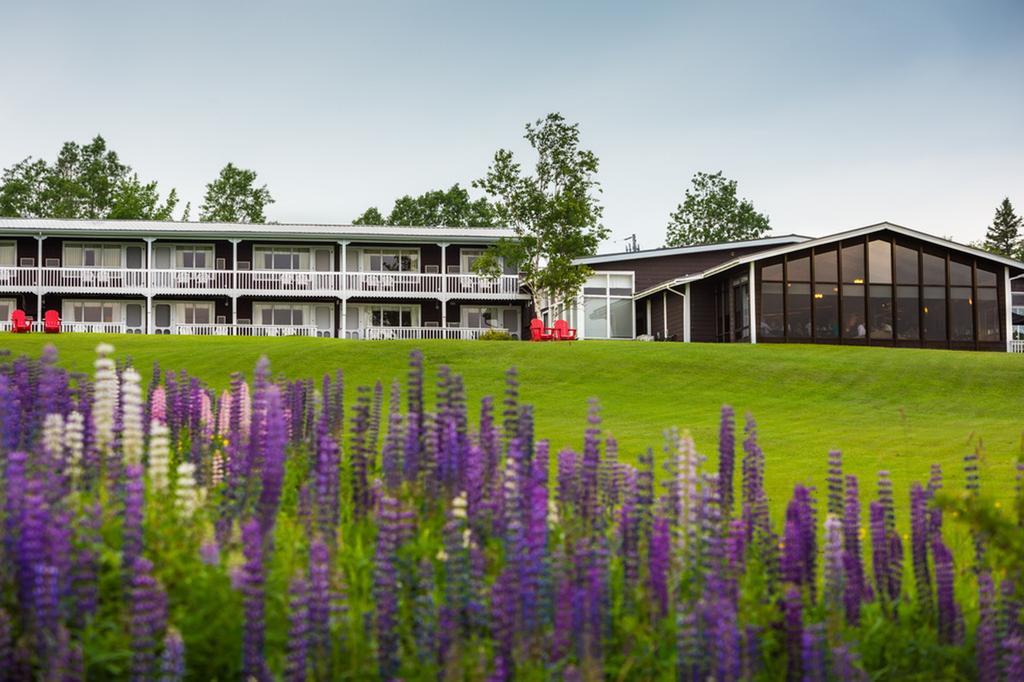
(19, 323)
(51, 322)
(563, 332)
(538, 332)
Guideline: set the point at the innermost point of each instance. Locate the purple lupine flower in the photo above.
(134, 499)
(812, 655)
(691, 661)
(880, 550)
(147, 619)
(328, 508)
(14, 502)
(172, 661)
(46, 608)
(319, 601)
(629, 540)
(919, 540)
(373, 425)
(385, 587)
(792, 552)
(801, 511)
(944, 577)
(424, 620)
(1011, 609)
(793, 615)
(298, 631)
(590, 464)
(360, 455)
(1014, 658)
(253, 579)
(596, 599)
(753, 477)
(854, 593)
(535, 578)
(845, 666)
(726, 458)
(85, 566)
(274, 445)
(658, 563)
(987, 637)
(6, 641)
(391, 456)
(31, 547)
(503, 621)
(562, 618)
(724, 638)
(834, 568)
(412, 447)
(735, 551)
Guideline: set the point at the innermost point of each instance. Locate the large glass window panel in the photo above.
(90, 258)
(959, 273)
(853, 263)
(986, 277)
(826, 311)
(772, 272)
(934, 269)
(596, 312)
(8, 255)
(799, 269)
(92, 312)
(961, 314)
(771, 310)
(620, 285)
(798, 310)
(298, 316)
(621, 311)
(282, 316)
(880, 311)
(112, 257)
(988, 314)
(880, 263)
(267, 316)
(406, 317)
(933, 309)
(596, 284)
(392, 318)
(906, 264)
(908, 322)
(854, 326)
(826, 266)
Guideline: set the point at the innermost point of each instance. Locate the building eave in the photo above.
(684, 250)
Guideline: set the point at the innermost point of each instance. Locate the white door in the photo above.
(133, 318)
(162, 318)
(323, 314)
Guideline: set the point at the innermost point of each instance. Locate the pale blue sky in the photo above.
(831, 115)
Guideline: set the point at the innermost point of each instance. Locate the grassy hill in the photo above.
(890, 409)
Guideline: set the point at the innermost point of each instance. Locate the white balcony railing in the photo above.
(113, 279)
(417, 333)
(390, 283)
(277, 280)
(249, 330)
(202, 280)
(11, 277)
(1017, 346)
(470, 285)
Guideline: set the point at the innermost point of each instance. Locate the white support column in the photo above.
(650, 321)
(1008, 298)
(753, 305)
(344, 316)
(149, 260)
(664, 315)
(39, 277)
(444, 285)
(234, 310)
(343, 269)
(149, 312)
(686, 314)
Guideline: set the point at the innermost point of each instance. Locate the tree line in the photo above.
(90, 181)
(554, 212)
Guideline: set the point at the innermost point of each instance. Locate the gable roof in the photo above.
(828, 239)
(766, 242)
(167, 228)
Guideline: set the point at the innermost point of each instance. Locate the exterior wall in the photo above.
(661, 302)
(703, 313)
(654, 270)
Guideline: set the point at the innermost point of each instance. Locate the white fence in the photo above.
(416, 333)
(1017, 346)
(249, 330)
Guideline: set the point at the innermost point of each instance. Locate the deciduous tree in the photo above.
(234, 198)
(554, 212)
(711, 213)
(452, 207)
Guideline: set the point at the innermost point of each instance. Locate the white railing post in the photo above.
(752, 305)
(149, 313)
(1008, 297)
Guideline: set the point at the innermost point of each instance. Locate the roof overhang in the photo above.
(270, 231)
(766, 242)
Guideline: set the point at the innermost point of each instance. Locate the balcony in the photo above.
(417, 333)
(258, 283)
(259, 330)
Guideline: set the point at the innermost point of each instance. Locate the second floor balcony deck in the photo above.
(258, 282)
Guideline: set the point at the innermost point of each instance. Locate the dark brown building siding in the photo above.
(655, 270)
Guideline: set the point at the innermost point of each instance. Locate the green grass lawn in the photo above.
(890, 409)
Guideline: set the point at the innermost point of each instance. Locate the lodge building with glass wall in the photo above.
(881, 285)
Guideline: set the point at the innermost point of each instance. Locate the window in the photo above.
(468, 258)
(282, 314)
(497, 317)
(90, 311)
(933, 311)
(394, 316)
(391, 260)
(281, 258)
(906, 264)
(959, 273)
(908, 326)
(988, 314)
(880, 263)
(853, 264)
(934, 269)
(1017, 314)
(799, 269)
(985, 277)
(880, 311)
(961, 314)
(8, 256)
(826, 266)
(771, 272)
(826, 310)
(92, 255)
(798, 310)
(853, 310)
(194, 257)
(7, 306)
(196, 313)
(608, 306)
(771, 310)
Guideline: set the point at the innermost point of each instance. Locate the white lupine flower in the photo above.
(687, 463)
(53, 436)
(552, 512)
(459, 506)
(105, 397)
(188, 492)
(467, 537)
(131, 401)
(74, 442)
(159, 454)
(218, 468)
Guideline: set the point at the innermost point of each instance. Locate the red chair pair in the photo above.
(560, 332)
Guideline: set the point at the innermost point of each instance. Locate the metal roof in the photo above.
(159, 228)
(828, 239)
(698, 248)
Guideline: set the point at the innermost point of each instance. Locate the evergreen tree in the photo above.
(1003, 235)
